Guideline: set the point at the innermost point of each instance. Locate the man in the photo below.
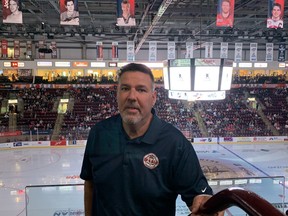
(225, 18)
(276, 20)
(137, 164)
(126, 19)
(70, 16)
(16, 14)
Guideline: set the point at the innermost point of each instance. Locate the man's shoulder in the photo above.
(109, 122)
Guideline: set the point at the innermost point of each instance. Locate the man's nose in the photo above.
(132, 94)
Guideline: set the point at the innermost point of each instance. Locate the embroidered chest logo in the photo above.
(151, 161)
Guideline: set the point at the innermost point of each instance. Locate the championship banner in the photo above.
(224, 50)
(189, 50)
(152, 51)
(275, 14)
(12, 11)
(115, 51)
(16, 49)
(209, 50)
(238, 52)
(281, 53)
(269, 51)
(253, 52)
(54, 50)
(41, 46)
(29, 49)
(4, 48)
(126, 13)
(99, 51)
(225, 13)
(69, 14)
(130, 51)
(171, 50)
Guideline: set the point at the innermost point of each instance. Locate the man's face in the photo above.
(135, 97)
(13, 6)
(70, 6)
(125, 8)
(225, 7)
(276, 12)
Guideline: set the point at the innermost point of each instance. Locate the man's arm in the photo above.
(88, 197)
(198, 202)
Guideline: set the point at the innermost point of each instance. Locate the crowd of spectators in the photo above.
(259, 79)
(232, 116)
(275, 107)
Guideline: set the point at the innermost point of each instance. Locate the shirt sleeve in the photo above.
(189, 178)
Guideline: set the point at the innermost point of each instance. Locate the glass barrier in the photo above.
(67, 200)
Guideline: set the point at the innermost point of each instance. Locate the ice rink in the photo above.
(24, 167)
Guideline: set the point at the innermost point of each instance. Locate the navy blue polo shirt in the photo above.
(142, 176)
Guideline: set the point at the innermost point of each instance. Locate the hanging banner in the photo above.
(275, 14)
(126, 13)
(209, 50)
(12, 11)
(41, 46)
(99, 51)
(281, 53)
(225, 13)
(171, 50)
(54, 50)
(4, 48)
(189, 50)
(269, 52)
(115, 51)
(238, 52)
(224, 50)
(253, 52)
(29, 49)
(130, 51)
(16, 49)
(152, 51)
(69, 14)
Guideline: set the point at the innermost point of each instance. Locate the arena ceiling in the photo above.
(157, 20)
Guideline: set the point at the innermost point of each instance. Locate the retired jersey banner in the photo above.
(152, 51)
(115, 51)
(224, 50)
(12, 11)
(238, 52)
(269, 51)
(281, 53)
(225, 13)
(54, 50)
(171, 50)
(189, 50)
(41, 46)
(209, 50)
(126, 13)
(4, 48)
(130, 51)
(99, 51)
(16, 49)
(69, 14)
(253, 52)
(275, 14)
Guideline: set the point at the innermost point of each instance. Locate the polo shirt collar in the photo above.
(150, 137)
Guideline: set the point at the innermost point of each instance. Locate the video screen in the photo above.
(180, 78)
(206, 78)
(226, 78)
(166, 78)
